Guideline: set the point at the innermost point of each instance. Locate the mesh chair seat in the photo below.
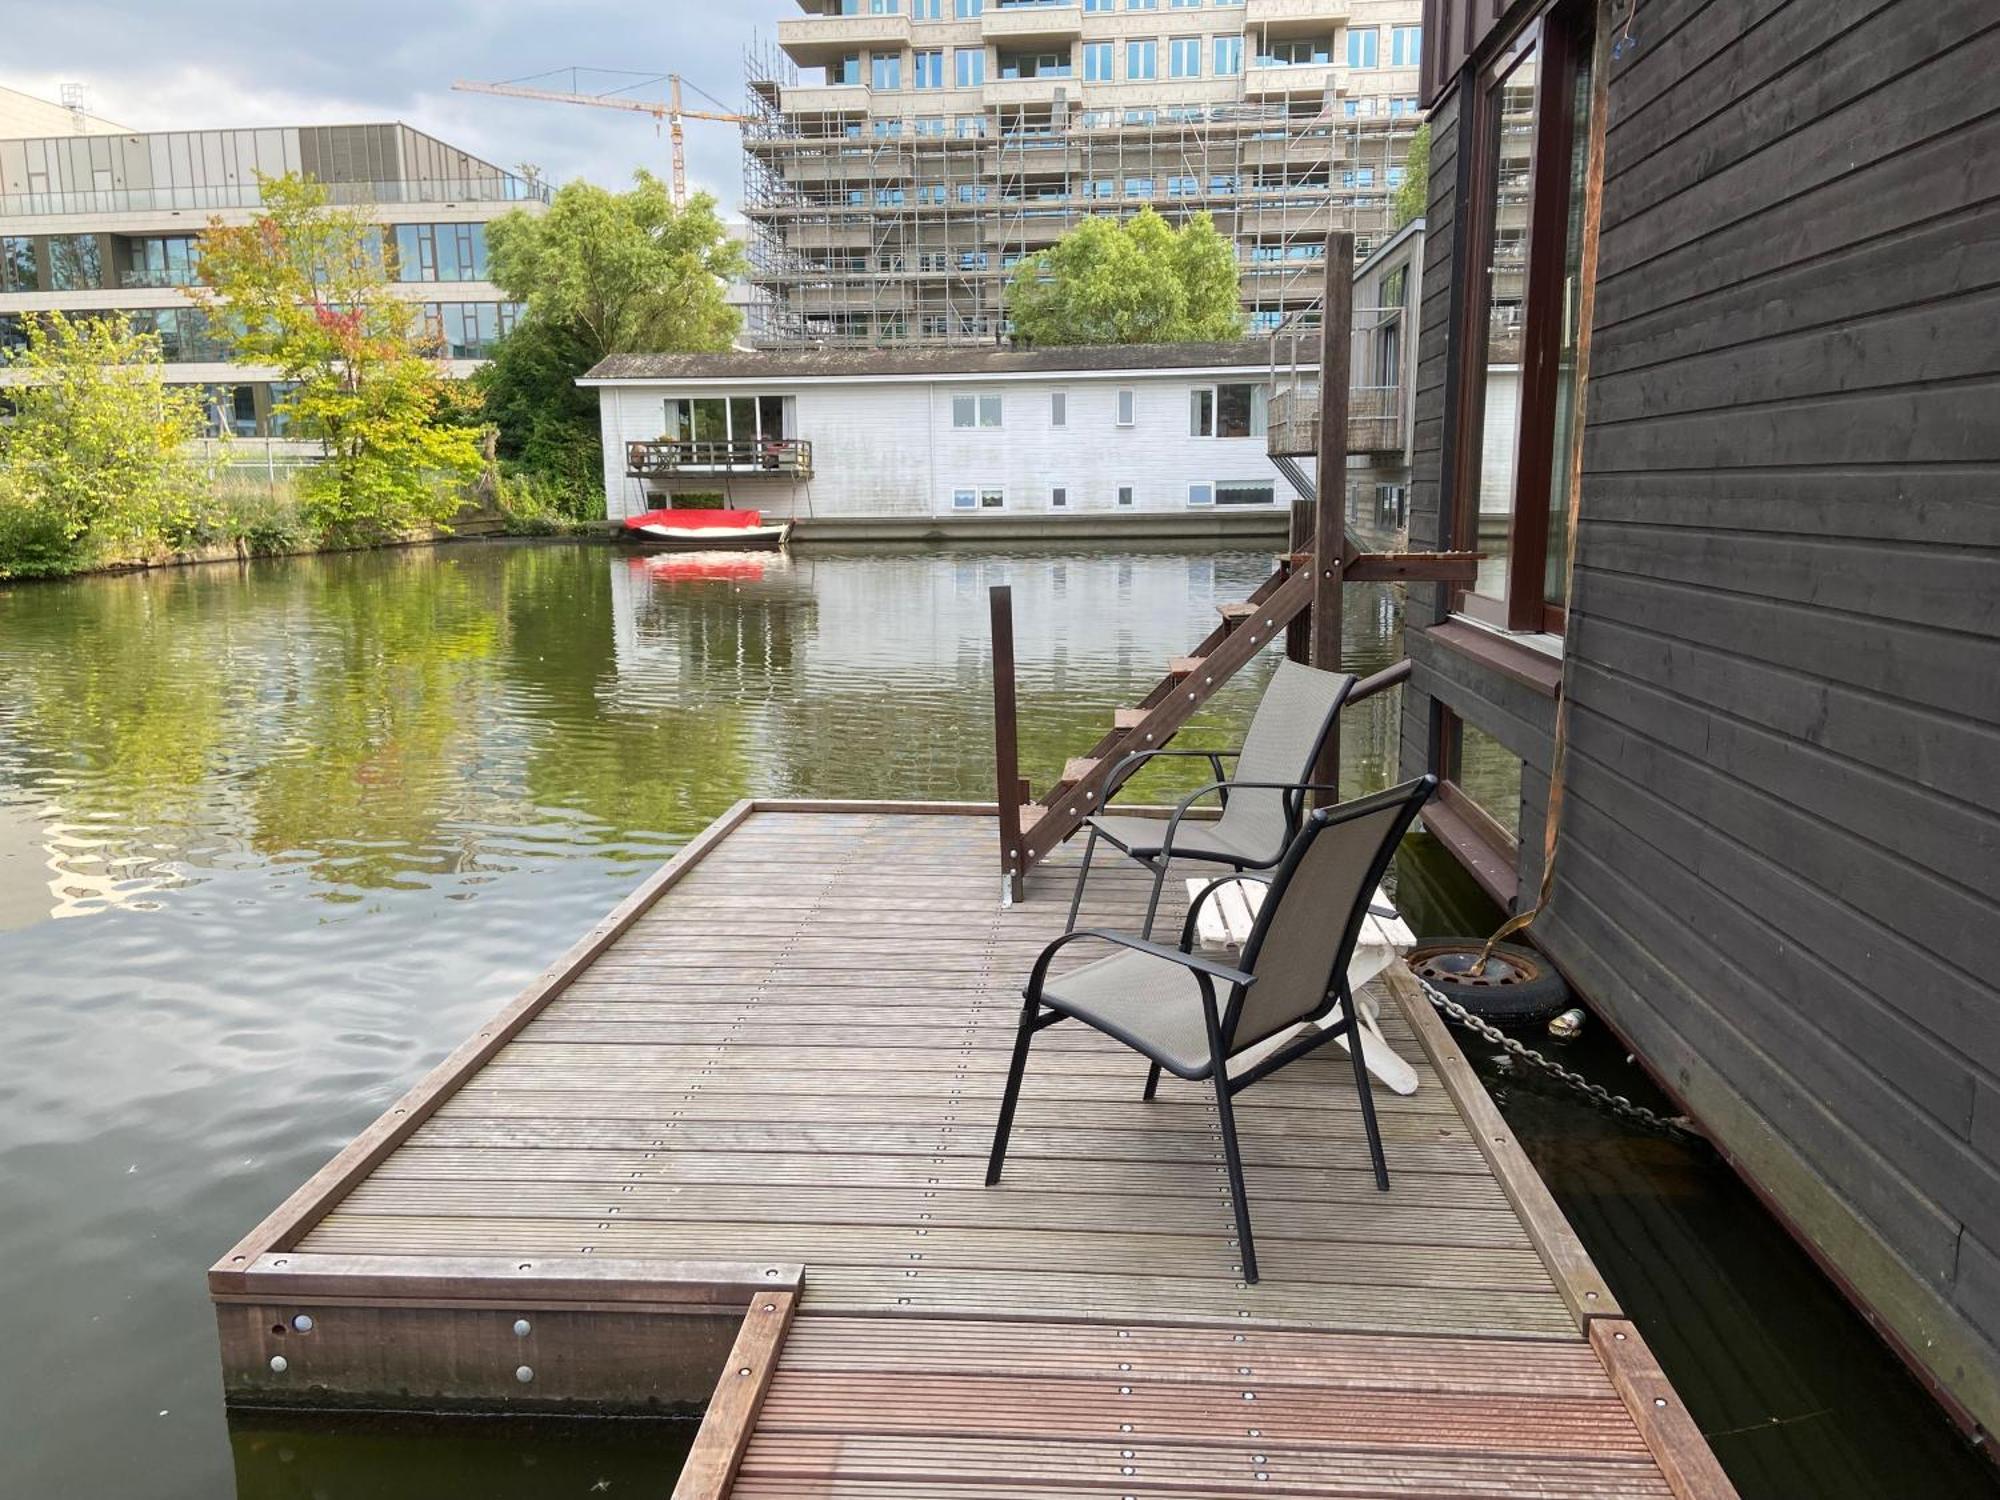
(1144, 1001)
(1203, 839)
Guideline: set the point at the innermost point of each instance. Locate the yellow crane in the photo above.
(670, 109)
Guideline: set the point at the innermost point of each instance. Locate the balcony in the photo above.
(769, 458)
(826, 98)
(1374, 420)
(1035, 22)
(1276, 18)
(1039, 90)
(1280, 80)
(814, 41)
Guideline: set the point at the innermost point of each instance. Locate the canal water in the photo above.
(273, 838)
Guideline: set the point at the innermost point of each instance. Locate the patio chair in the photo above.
(1261, 804)
(1189, 1014)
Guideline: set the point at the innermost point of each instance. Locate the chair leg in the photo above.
(1023, 1035)
(1153, 905)
(1363, 1088)
(1237, 1196)
(1152, 1084)
(1076, 900)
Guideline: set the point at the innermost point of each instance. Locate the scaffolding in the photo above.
(872, 228)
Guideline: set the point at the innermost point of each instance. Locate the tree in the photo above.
(599, 273)
(96, 462)
(1413, 193)
(305, 288)
(1133, 282)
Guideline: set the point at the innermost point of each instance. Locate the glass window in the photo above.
(1201, 494)
(1127, 408)
(1244, 492)
(1138, 187)
(1287, 52)
(885, 70)
(1406, 46)
(17, 263)
(992, 498)
(927, 10)
(1058, 409)
(1142, 58)
(1364, 45)
(1485, 773)
(74, 263)
(1142, 4)
(971, 65)
(1090, 5)
(989, 411)
(964, 499)
(1184, 57)
(1201, 412)
(1238, 411)
(1228, 56)
(1124, 494)
(846, 70)
(965, 10)
(964, 411)
(929, 68)
(1097, 62)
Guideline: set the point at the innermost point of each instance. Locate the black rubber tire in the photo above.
(1518, 985)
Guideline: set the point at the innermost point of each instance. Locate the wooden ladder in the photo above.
(1244, 630)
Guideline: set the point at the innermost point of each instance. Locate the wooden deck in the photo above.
(786, 1052)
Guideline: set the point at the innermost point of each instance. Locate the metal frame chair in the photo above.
(1261, 805)
(1167, 1004)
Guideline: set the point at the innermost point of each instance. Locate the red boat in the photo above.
(708, 530)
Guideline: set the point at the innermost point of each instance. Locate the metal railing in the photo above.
(786, 457)
(501, 189)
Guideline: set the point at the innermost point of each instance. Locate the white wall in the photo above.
(889, 448)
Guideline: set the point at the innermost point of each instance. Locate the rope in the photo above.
(1678, 1126)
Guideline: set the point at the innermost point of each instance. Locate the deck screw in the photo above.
(1659, 1401)
(524, 1374)
(744, 1371)
(278, 1363)
(522, 1328)
(303, 1322)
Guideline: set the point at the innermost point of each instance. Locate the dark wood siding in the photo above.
(1781, 840)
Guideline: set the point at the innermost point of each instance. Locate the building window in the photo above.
(965, 499)
(1201, 411)
(992, 498)
(1406, 46)
(1097, 62)
(154, 260)
(1364, 44)
(927, 10)
(1142, 4)
(1244, 492)
(1184, 57)
(74, 263)
(1293, 51)
(441, 252)
(1519, 377)
(1138, 187)
(1201, 494)
(17, 263)
(1236, 410)
(885, 71)
(846, 70)
(1058, 408)
(1228, 56)
(1090, 5)
(967, 10)
(1124, 494)
(975, 411)
(971, 65)
(1482, 783)
(1128, 408)
(1185, 4)
(929, 72)
(1059, 498)
(1142, 59)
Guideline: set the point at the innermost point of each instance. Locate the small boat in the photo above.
(708, 530)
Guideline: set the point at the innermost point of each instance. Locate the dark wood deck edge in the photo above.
(322, 1277)
(1569, 1265)
(1671, 1435)
(731, 1418)
(285, 1225)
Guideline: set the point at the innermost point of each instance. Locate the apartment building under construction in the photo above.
(904, 155)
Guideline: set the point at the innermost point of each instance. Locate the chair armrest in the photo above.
(1130, 762)
(1204, 969)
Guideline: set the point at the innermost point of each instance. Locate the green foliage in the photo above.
(600, 273)
(532, 503)
(1414, 192)
(96, 462)
(304, 288)
(1136, 281)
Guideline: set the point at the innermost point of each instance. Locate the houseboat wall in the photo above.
(1779, 845)
(1050, 442)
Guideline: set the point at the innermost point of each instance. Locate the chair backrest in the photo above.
(1293, 719)
(1305, 932)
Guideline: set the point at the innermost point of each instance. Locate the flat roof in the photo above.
(929, 364)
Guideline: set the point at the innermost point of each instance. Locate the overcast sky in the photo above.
(170, 65)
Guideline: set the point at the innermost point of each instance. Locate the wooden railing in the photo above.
(661, 458)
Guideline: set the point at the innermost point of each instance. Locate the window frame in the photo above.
(1557, 44)
(1128, 497)
(1125, 407)
(1059, 409)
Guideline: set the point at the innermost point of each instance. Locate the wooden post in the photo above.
(1007, 785)
(1298, 630)
(1330, 520)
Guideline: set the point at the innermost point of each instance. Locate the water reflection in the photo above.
(273, 838)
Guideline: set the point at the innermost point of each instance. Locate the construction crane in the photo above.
(669, 110)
